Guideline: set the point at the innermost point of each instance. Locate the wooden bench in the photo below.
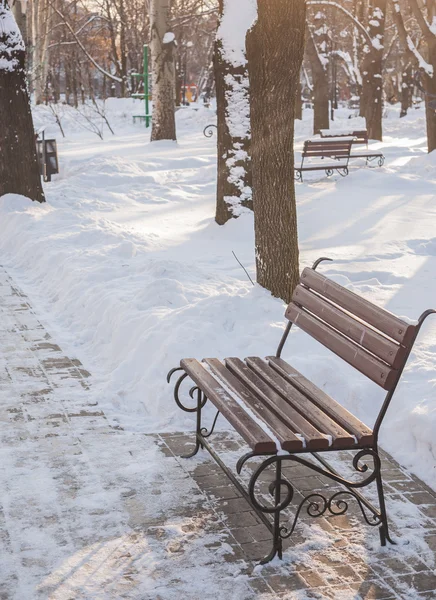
(335, 150)
(284, 417)
(360, 137)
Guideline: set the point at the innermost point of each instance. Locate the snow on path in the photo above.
(88, 511)
(128, 268)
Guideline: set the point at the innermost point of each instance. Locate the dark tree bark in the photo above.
(321, 119)
(275, 48)
(299, 103)
(229, 195)
(224, 140)
(406, 89)
(372, 71)
(430, 97)
(19, 172)
(164, 75)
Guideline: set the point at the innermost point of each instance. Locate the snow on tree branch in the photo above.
(345, 11)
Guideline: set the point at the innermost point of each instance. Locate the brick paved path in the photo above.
(89, 511)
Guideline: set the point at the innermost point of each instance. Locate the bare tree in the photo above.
(162, 43)
(41, 16)
(19, 172)
(275, 48)
(425, 64)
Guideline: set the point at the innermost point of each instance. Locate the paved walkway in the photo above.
(90, 511)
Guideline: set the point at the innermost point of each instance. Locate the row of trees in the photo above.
(258, 58)
(81, 49)
(381, 50)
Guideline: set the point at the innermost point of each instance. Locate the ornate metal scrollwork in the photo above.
(208, 130)
(191, 391)
(204, 432)
(329, 172)
(316, 503)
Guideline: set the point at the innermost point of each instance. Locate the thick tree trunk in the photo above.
(234, 177)
(225, 189)
(19, 172)
(228, 193)
(164, 76)
(372, 70)
(275, 48)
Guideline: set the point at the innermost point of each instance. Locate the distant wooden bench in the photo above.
(316, 151)
(282, 415)
(360, 136)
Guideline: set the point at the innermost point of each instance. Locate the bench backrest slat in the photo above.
(377, 317)
(326, 147)
(369, 338)
(384, 348)
(353, 354)
(360, 135)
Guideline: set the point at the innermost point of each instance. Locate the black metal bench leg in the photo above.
(384, 527)
(278, 543)
(198, 443)
(275, 488)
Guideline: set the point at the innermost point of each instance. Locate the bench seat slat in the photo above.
(276, 408)
(251, 432)
(288, 440)
(366, 154)
(353, 354)
(379, 318)
(321, 167)
(386, 349)
(340, 437)
(315, 440)
(336, 411)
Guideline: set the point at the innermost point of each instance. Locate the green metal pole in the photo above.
(146, 90)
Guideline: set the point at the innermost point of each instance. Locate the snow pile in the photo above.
(237, 19)
(130, 272)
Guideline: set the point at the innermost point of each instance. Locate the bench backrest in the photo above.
(338, 148)
(360, 137)
(369, 338)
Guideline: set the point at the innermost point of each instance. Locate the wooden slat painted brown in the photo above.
(377, 317)
(251, 432)
(336, 411)
(353, 354)
(319, 418)
(386, 349)
(314, 438)
(286, 437)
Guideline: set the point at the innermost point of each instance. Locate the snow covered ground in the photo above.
(130, 272)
